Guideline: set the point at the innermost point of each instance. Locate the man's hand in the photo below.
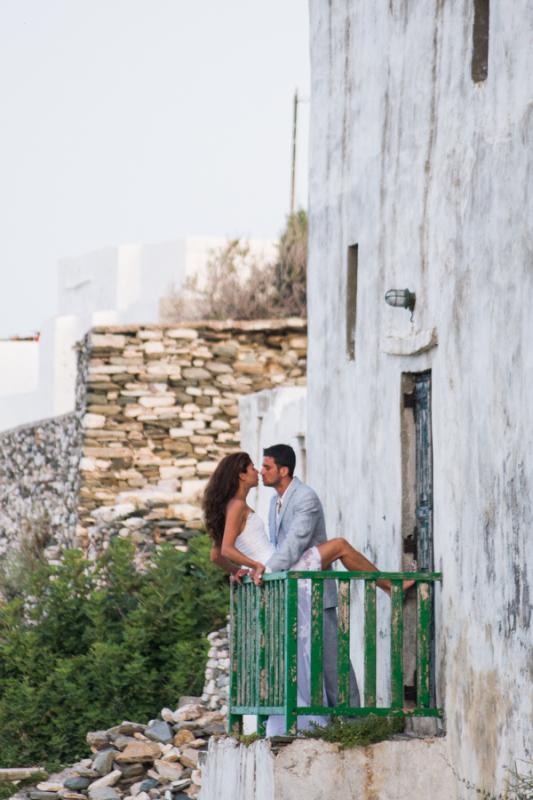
(239, 574)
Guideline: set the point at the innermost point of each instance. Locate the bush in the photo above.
(358, 733)
(90, 645)
(238, 286)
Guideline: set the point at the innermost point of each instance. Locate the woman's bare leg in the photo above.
(352, 559)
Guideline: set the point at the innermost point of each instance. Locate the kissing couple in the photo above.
(296, 540)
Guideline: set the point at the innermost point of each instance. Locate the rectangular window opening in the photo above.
(351, 300)
(480, 41)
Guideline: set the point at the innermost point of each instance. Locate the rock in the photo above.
(190, 711)
(149, 783)
(214, 728)
(103, 763)
(159, 731)
(131, 770)
(168, 715)
(37, 795)
(173, 754)
(98, 739)
(171, 770)
(157, 401)
(182, 333)
(183, 737)
(104, 793)
(94, 421)
(107, 780)
(129, 728)
(196, 777)
(189, 757)
(76, 783)
(187, 699)
(207, 467)
(140, 752)
(196, 374)
(122, 741)
(108, 341)
(49, 786)
(218, 367)
(198, 743)
(185, 511)
(67, 794)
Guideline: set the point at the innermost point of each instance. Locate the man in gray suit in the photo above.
(296, 523)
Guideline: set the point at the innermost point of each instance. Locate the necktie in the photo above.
(278, 508)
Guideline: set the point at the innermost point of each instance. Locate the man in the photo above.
(296, 523)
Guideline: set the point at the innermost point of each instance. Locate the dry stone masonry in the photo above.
(161, 409)
(216, 688)
(39, 481)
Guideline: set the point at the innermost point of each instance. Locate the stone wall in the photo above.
(161, 410)
(39, 478)
(216, 685)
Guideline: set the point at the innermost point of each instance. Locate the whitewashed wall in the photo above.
(273, 416)
(432, 176)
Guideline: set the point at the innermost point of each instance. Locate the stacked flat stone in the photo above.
(216, 688)
(132, 761)
(160, 411)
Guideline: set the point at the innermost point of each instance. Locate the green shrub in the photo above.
(358, 733)
(86, 646)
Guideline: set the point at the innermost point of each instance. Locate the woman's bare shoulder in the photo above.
(236, 507)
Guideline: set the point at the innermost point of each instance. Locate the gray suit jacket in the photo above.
(300, 526)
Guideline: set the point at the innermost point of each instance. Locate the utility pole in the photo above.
(294, 137)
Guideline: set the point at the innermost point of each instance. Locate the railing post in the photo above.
(317, 642)
(291, 654)
(397, 644)
(343, 643)
(423, 640)
(370, 644)
(234, 720)
(261, 676)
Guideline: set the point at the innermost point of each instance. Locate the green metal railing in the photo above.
(264, 642)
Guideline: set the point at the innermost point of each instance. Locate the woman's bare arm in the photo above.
(224, 563)
(235, 521)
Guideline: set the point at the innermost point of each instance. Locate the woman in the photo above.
(239, 535)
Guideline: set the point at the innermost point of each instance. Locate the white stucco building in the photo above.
(117, 285)
(420, 428)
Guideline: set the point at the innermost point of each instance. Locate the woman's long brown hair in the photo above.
(222, 486)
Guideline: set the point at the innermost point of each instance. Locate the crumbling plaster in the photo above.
(431, 175)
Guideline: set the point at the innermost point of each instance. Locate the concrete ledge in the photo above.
(315, 770)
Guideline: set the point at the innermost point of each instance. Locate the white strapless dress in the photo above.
(254, 543)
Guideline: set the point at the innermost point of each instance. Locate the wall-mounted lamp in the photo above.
(401, 298)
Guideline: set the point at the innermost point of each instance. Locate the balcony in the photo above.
(264, 647)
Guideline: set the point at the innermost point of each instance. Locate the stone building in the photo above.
(420, 428)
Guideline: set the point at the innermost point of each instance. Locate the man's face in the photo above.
(271, 473)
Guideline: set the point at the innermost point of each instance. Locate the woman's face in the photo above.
(251, 476)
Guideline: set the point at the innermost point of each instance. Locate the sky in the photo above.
(125, 121)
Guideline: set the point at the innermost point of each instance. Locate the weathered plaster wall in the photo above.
(316, 770)
(161, 410)
(431, 175)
